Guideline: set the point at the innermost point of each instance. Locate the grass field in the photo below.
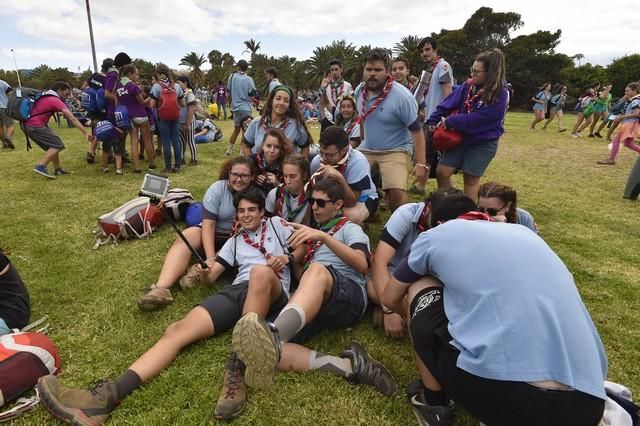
(90, 295)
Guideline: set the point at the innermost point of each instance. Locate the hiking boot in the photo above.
(258, 346)
(61, 172)
(91, 158)
(368, 371)
(6, 143)
(156, 298)
(607, 162)
(427, 415)
(190, 278)
(233, 395)
(78, 407)
(42, 170)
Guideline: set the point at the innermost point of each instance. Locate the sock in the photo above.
(127, 383)
(290, 321)
(330, 364)
(435, 397)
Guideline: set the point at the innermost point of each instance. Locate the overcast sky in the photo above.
(55, 32)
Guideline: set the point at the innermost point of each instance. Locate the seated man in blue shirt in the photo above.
(497, 325)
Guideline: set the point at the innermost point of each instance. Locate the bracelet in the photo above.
(426, 166)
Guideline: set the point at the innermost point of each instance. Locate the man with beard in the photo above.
(390, 128)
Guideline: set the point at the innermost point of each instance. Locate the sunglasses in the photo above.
(321, 202)
(490, 211)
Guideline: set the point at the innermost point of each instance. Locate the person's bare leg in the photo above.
(443, 176)
(177, 259)
(49, 156)
(135, 152)
(264, 289)
(147, 141)
(396, 197)
(471, 186)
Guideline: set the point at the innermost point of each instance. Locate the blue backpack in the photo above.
(21, 100)
(121, 118)
(93, 100)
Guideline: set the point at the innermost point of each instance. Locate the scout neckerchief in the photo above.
(284, 198)
(266, 123)
(341, 166)
(433, 68)
(331, 227)
(422, 224)
(473, 94)
(336, 90)
(365, 112)
(353, 122)
(476, 216)
(259, 246)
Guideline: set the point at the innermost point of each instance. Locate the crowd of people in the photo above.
(464, 272)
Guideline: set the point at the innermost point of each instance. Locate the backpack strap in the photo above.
(285, 249)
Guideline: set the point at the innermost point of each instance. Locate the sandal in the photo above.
(156, 298)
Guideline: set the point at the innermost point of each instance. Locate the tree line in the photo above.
(531, 60)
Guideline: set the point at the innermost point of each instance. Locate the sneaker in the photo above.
(61, 172)
(574, 135)
(6, 143)
(165, 170)
(193, 162)
(175, 170)
(591, 135)
(258, 346)
(91, 158)
(562, 130)
(229, 151)
(42, 170)
(579, 135)
(152, 166)
(105, 170)
(368, 371)
(156, 298)
(233, 395)
(78, 407)
(607, 162)
(119, 172)
(427, 415)
(137, 171)
(597, 135)
(190, 278)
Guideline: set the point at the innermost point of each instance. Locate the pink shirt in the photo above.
(43, 109)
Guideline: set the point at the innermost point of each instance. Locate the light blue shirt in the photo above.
(254, 136)
(218, 203)
(272, 85)
(4, 86)
(442, 73)
(402, 228)
(189, 99)
(525, 219)
(513, 308)
(387, 128)
(241, 86)
(357, 174)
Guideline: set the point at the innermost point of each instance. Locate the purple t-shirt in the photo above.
(111, 83)
(127, 97)
(221, 94)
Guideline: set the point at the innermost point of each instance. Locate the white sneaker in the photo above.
(573, 135)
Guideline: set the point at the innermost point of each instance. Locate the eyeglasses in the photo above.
(321, 202)
(476, 72)
(324, 154)
(235, 176)
(490, 211)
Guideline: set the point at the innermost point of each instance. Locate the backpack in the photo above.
(121, 117)
(135, 218)
(93, 100)
(24, 358)
(20, 102)
(176, 202)
(106, 131)
(168, 109)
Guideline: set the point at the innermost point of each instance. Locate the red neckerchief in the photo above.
(385, 91)
(348, 127)
(340, 166)
(476, 216)
(472, 97)
(422, 222)
(313, 247)
(337, 89)
(284, 197)
(433, 67)
(259, 246)
(266, 124)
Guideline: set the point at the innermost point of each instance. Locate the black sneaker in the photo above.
(78, 407)
(233, 395)
(368, 371)
(427, 415)
(61, 172)
(6, 143)
(597, 135)
(91, 158)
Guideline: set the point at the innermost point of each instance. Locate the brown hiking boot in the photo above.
(190, 278)
(233, 395)
(156, 298)
(257, 344)
(78, 407)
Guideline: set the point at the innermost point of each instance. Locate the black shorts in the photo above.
(372, 206)
(225, 307)
(346, 305)
(494, 402)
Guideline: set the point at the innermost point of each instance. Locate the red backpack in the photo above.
(136, 218)
(24, 357)
(168, 109)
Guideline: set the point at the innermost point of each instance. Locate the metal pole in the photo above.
(16, 67)
(93, 45)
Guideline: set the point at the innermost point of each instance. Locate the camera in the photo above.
(154, 186)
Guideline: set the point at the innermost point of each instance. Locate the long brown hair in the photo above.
(293, 112)
(504, 193)
(495, 69)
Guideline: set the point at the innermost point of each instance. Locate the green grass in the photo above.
(90, 295)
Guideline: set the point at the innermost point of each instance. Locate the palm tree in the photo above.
(408, 47)
(195, 62)
(215, 57)
(227, 59)
(318, 64)
(252, 46)
(578, 57)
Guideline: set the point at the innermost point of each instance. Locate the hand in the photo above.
(330, 171)
(324, 83)
(443, 122)
(205, 274)
(394, 325)
(500, 218)
(260, 179)
(272, 179)
(303, 233)
(90, 137)
(432, 128)
(419, 173)
(277, 263)
(422, 115)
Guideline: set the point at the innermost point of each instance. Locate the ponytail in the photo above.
(495, 68)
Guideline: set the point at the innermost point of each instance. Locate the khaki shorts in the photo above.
(394, 167)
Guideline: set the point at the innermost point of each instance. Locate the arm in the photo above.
(379, 273)
(481, 120)
(393, 295)
(209, 239)
(448, 104)
(190, 111)
(447, 88)
(73, 120)
(421, 169)
(350, 196)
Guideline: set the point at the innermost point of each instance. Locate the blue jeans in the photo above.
(170, 135)
(222, 106)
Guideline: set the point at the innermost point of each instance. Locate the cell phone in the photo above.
(155, 186)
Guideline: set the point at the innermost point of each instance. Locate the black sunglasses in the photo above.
(490, 211)
(321, 202)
